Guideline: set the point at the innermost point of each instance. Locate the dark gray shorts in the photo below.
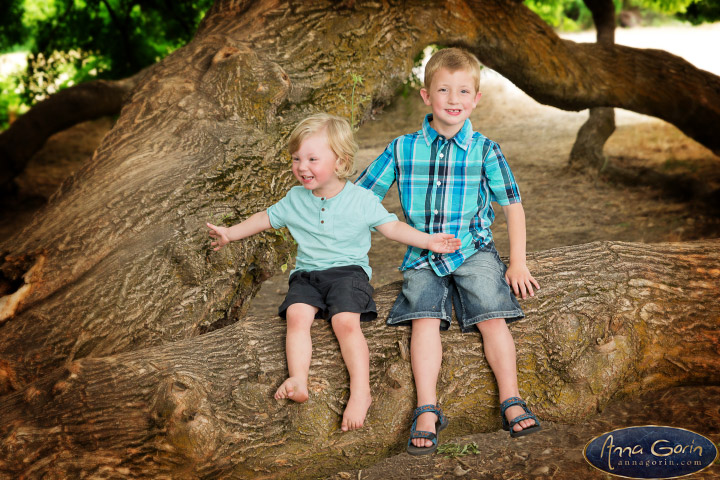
(332, 291)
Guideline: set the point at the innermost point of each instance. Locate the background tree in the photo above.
(587, 152)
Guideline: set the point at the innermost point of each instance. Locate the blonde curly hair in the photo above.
(340, 139)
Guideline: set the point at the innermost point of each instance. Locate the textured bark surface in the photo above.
(612, 319)
(587, 151)
(119, 259)
(113, 355)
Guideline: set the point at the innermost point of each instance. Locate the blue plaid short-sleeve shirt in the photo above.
(445, 185)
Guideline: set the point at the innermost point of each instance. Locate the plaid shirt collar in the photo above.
(462, 139)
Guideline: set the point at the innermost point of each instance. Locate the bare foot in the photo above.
(425, 423)
(515, 411)
(357, 407)
(293, 389)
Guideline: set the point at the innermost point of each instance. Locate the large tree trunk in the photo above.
(612, 319)
(514, 42)
(119, 260)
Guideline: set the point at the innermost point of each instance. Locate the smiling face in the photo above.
(452, 97)
(314, 164)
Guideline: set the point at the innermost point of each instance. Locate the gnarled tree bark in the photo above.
(119, 260)
(612, 319)
(510, 39)
(113, 297)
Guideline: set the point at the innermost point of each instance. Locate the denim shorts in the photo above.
(477, 289)
(332, 291)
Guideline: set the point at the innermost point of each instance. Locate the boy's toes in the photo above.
(523, 424)
(421, 442)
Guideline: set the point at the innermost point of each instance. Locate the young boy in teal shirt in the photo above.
(330, 219)
(447, 175)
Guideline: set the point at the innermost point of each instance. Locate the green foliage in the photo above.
(12, 29)
(569, 15)
(566, 15)
(356, 80)
(11, 103)
(129, 34)
(457, 450)
(701, 11)
(70, 41)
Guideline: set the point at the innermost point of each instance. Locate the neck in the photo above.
(446, 132)
(330, 191)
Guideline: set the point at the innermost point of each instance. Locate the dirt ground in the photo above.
(562, 208)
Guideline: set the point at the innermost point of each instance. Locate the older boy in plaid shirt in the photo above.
(447, 175)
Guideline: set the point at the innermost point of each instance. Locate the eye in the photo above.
(313, 159)
(295, 159)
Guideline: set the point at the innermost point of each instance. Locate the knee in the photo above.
(299, 317)
(492, 326)
(346, 323)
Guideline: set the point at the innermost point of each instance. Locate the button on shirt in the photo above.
(330, 232)
(445, 185)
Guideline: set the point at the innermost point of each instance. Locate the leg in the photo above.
(356, 355)
(298, 349)
(426, 357)
(500, 353)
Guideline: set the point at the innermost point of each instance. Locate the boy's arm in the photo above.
(250, 226)
(379, 176)
(404, 233)
(518, 276)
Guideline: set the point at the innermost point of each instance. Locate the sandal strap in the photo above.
(424, 409)
(524, 416)
(510, 402)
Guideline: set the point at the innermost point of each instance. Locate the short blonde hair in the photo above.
(340, 139)
(453, 59)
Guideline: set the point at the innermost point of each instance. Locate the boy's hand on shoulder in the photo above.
(521, 281)
(443, 243)
(220, 234)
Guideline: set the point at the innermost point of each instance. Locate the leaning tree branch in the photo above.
(611, 319)
(576, 76)
(60, 111)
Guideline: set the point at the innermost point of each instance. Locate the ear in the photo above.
(425, 96)
(477, 99)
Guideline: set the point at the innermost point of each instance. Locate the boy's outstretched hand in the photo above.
(521, 281)
(443, 243)
(219, 234)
